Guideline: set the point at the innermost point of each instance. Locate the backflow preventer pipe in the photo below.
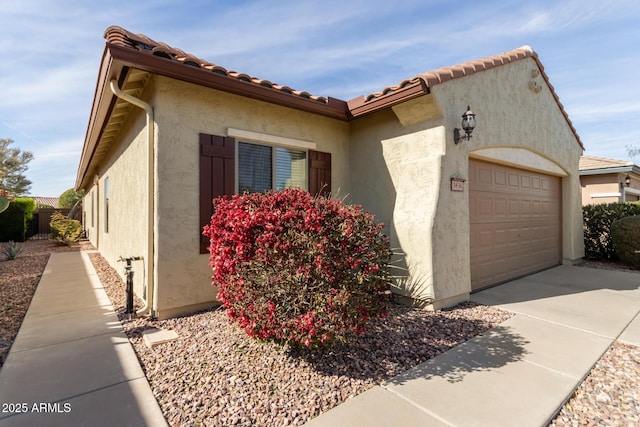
(129, 273)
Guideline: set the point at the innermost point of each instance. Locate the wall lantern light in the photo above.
(468, 124)
(627, 180)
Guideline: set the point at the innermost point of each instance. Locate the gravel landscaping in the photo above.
(609, 396)
(215, 375)
(18, 282)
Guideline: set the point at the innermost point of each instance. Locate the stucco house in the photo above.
(608, 181)
(169, 131)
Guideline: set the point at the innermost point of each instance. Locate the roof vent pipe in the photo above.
(150, 305)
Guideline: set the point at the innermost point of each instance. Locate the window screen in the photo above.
(290, 168)
(262, 168)
(254, 168)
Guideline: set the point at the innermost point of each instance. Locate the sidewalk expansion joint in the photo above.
(552, 322)
(417, 406)
(39, 347)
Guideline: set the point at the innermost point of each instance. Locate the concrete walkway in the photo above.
(518, 373)
(71, 363)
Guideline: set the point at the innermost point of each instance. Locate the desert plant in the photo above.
(65, 230)
(625, 234)
(297, 269)
(11, 250)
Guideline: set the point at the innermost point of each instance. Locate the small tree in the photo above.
(13, 164)
(69, 198)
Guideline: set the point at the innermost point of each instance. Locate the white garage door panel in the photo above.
(515, 222)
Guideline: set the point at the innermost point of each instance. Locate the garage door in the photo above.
(515, 219)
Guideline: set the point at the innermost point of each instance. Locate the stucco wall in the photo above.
(182, 112)
(395, 168)
(402, 162)
(397, 163)
(126, 172)
(595, 187)
(510, 118)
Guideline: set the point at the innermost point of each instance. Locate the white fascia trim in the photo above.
(596, 195)
(272, 139)
(603, 171)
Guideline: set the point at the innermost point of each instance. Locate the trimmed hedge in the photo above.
(625, 234)
(14, 220)
(597, 220)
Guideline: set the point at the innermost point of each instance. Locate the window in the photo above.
(106, 205)
(259, 168)
(262, 168)
(93, 206)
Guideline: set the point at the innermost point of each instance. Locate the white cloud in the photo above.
(50, 54)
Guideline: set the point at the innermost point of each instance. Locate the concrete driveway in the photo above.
(518, 373)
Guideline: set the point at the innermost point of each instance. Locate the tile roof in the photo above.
(421, 83)
(49, 201)
(405, 90)
(119, 36)
(441, 75)
(593, 163)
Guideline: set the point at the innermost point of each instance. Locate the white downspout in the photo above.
(150, 305)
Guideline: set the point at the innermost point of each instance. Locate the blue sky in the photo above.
(50, 53)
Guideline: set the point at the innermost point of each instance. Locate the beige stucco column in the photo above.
(414, 164)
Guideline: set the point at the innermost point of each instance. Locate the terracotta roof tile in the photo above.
(119, 36)
(444, 74)
(441, 75)
(412, 87)
(48, 201)
(592, 163)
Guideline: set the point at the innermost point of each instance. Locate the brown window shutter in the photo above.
(217, 176)
(319, 173)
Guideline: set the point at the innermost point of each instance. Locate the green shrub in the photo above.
(65, 230)
(296, 269)
(597, 220)
(14, 220)
(625, 234)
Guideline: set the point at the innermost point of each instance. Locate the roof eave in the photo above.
(334, 108)
(360, 108)
(392, 96)
(116, 58)
(602, 171)
(103, 101)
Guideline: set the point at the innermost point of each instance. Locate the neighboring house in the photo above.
(46, 202)
(169, 131)
(45, 207)
(608, 181)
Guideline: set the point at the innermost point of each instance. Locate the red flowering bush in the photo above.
(297, 269)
